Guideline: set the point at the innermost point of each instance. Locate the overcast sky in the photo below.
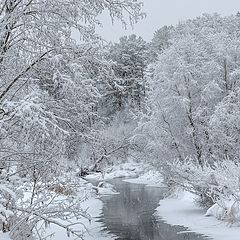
(168, 12)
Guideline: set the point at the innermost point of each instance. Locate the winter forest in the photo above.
(92, 131)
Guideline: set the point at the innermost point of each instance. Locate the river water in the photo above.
(130, 215)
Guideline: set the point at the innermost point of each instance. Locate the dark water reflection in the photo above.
(129, 215)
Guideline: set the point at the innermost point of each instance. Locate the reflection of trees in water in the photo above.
(129, 215)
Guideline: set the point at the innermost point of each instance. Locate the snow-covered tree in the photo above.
(161, 40)
(192, 129)
(224, 128)
(127, 86)
(191, 77)
(48, 100)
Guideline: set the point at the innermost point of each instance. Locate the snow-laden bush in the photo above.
(114, 144)
(190, 176)
(227, 206)
(217, 186)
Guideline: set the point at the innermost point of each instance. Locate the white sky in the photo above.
(167, 12)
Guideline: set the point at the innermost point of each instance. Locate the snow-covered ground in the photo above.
(4, 236)
(105, 188)
(125, 170)
(92, 204)
(183, 211)
(180, 210)
(94, 227)
(150, 178)
(133, 172)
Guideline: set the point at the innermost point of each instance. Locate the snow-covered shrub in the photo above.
(228, 210)
(227, 188)
(217, 186)
(57, 202)
(114, 143)
(193, 177)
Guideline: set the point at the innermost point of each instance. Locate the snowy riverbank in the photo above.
(90, 204)
(93, 228)
(150, 178)
(183, 211)
(132, 172)
(124, 170)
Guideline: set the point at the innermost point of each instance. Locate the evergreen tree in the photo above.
(161, 41)
(128, 83)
